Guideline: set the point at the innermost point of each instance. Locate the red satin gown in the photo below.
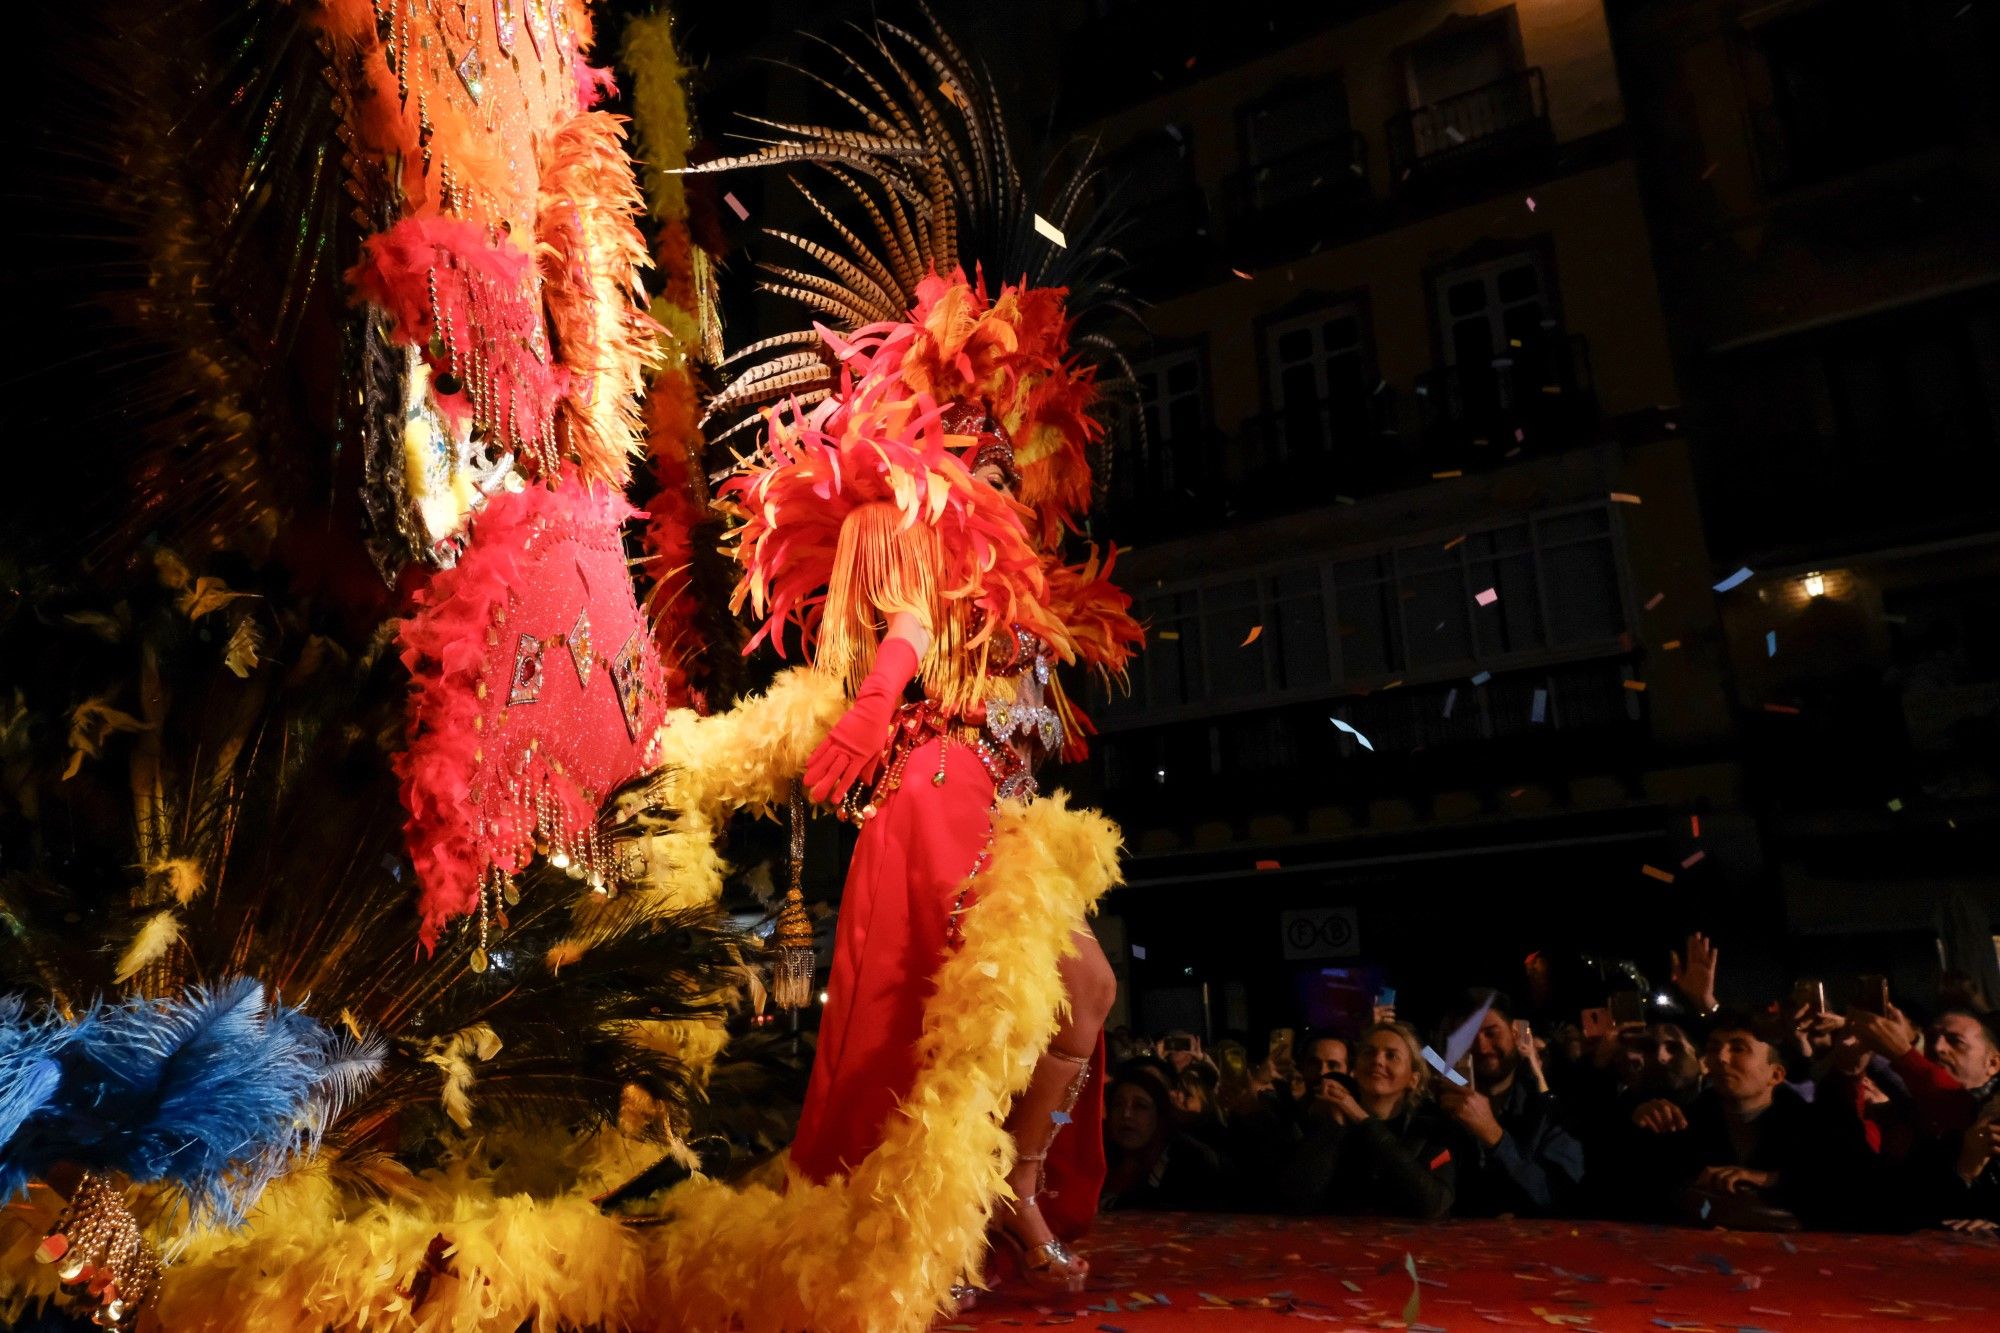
(909, 863)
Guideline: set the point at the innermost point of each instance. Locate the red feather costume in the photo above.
(866, 507)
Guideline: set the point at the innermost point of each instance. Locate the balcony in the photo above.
(1304, 454)
(1281, 208)
(1472, 138)
(1169, 240)
(1539, 396)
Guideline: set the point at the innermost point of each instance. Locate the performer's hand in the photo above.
(853, 749)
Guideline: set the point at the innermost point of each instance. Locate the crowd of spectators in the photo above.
(1797, 1115)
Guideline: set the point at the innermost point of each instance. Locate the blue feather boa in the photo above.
(216, 1093)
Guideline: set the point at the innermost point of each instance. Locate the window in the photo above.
(1312, 628)
(1174, 402)
(1469, 95)
(1318, 368)
(1493, 310)
(1296, 117)
(1839, 85)
(1154, 182)
(1463, 59)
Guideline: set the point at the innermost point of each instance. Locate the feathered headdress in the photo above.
(913, 372)
(923, 192)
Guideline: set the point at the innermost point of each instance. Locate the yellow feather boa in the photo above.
(876, 1250)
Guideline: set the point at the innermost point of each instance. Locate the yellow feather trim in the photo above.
(874, 1251)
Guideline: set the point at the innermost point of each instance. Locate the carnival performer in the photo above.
(923, 455)
(921, 779)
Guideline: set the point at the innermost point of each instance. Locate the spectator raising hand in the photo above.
(1888, 1034)
(1694, 972)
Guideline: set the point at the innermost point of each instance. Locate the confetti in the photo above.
(1241, 274)
(1670, 645)
(1455, 541)
(1531, 203)
(736, 207)
(1654, 872)
(1461, 1038)
(1451, 701)
(1486, 597)
(1691, 861)
(1637, 686)
(1366, 744)
(1252, 636)
(1540, 711)
(1770, 643)
(1436, 1061)
(1049, 229)
(1482, 678)
(1060, 1117)
(1786, 709)
(1625, 498)
(1896, 803)
(1736, 580)
(1447, 476)
(1139, 952)
(1655, 600)
(1694, 826)
(1168, 634)
(1273, 865)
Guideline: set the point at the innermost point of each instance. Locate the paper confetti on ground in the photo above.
(1366, 744)
(1736, 580)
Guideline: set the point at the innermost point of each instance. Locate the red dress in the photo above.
(910, 861)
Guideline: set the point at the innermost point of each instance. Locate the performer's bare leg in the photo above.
(1057, 1081)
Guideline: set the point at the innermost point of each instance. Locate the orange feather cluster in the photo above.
(871, 467)
(1010, 355)
(591, 260)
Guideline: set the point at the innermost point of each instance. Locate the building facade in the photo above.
(1412, 470)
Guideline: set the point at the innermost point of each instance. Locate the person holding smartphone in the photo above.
(1517, 1153)
(1374, 1144)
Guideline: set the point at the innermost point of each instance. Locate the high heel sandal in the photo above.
(1050, 1264)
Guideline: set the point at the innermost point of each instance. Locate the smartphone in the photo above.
(1385, 998)
(1180, 1043)
(1627, 1007)
(1871, 994)
(1596, 1023)
(1809, 993)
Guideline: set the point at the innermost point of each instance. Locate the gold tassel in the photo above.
(793, 970)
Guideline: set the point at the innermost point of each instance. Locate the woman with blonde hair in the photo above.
(1373, 1142)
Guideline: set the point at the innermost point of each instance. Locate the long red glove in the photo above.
(853, 749)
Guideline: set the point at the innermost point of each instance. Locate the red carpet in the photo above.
(1158, 1271)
